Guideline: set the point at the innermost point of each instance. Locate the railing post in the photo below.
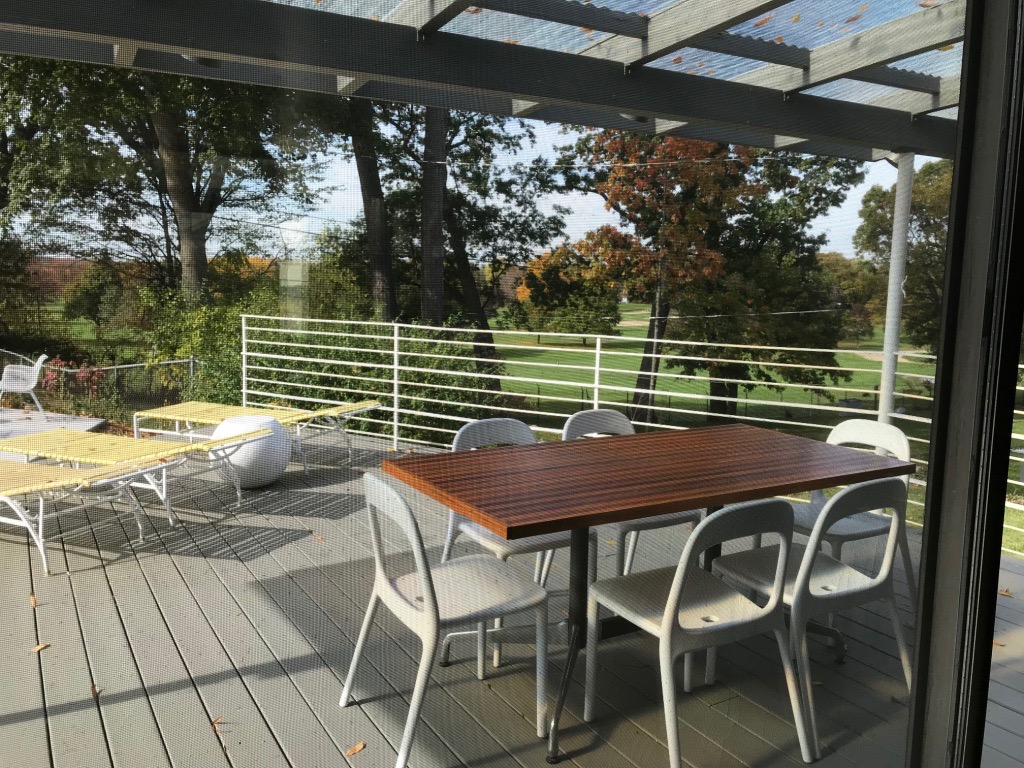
(394, 388)
(245, 360)
(597, 373)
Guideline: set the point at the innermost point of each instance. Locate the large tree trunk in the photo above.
(193, 222)
(647, 378)
(435, 177)
(720, 389)
(483, 341)
(378, 230)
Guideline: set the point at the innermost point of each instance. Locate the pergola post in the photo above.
(897, 275)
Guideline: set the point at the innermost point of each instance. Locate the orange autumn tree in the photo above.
(676, 194)
(574, 288)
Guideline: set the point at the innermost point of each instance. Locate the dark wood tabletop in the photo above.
(527, 490)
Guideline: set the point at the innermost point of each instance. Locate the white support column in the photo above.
(597, 374)
(897, 275)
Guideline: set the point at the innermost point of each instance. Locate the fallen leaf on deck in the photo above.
(40, 647)
(318, 538)
(1005, 592)
(355, 748)
(32, 599)
(95, 692)
(998, 644)
(762, 22)
(795, 19)
(216, 720)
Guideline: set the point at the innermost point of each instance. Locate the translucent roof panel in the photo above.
(660, 63)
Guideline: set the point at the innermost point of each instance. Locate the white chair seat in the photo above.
(751, 567)
(471, 588)
(865, 525)
(706, 603)
(504, 549)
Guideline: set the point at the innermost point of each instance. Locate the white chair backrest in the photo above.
(873, 434)
(735, 521)
(889, 494)
(22, 378)
(487, 432)
(603, 421)
(385, 504)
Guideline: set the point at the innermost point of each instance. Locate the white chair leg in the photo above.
(709, 666)
(36, 401)
(538, 567)
(590, 683)
(627, 566)
(668, 695)
(542, 670)
(416, 703)
(449, 537)
(803, 665)
(496, 653)
(371, 611)
(795, 700)
(901, 641)
(687, 672)
(545, 570)
(481, 649)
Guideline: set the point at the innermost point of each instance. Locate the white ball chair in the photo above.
(262, 461)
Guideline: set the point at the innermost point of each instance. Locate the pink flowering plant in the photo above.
(79, 388)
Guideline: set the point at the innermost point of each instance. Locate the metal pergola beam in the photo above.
(918, 32)
(427, 16)
(247, 32)
(678, 26)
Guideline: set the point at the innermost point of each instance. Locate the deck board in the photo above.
(250, 615)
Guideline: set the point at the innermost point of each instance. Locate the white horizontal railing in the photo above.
(432, 380)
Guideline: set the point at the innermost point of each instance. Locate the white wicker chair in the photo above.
(689, 609)
(819, 585)
(486, 433)
(22, 380)
(609, 422)
(869, 524)
(428, 600)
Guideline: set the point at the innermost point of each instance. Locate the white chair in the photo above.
(818, 585)
(609, 422)
(486, 433)
(465, 590)
(22, 380)
(869, 524)
(689, 609)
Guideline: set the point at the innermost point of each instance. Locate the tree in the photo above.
(366, 146)
(14, 263)
(858, 288)
(571, 289)
(489, 212)
(769, 289)
(676, 195)
(139, 165)
(96, 295)
(926, 247)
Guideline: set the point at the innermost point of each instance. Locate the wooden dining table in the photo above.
(521, 491)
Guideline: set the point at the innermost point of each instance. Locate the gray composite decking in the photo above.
(224, 642)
